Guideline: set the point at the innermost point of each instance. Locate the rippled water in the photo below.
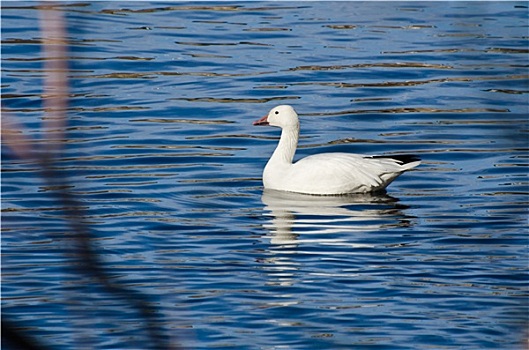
(162, 157)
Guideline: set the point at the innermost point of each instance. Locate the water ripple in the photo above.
(165, 165)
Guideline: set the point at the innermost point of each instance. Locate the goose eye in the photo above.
(277, 112)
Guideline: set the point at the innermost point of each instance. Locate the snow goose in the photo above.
(325, 173)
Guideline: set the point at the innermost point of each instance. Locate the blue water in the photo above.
(165, 165)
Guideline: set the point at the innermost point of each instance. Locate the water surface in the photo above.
(165, 165)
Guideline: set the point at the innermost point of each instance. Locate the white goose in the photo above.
(325, 173)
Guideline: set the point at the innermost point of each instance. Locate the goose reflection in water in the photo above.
(297, 218)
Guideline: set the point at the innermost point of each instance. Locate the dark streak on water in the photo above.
(162, 156)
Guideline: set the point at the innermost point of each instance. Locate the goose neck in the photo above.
(287, 145)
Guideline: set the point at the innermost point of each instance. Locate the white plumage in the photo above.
(325, 173)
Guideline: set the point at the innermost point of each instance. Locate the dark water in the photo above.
(162, 158)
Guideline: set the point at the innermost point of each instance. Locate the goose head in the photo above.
(283, 116)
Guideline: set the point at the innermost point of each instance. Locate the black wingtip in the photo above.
(403, 158)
